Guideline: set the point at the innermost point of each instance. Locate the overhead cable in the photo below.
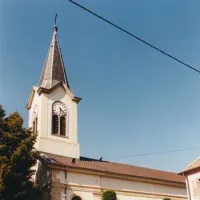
(154, 153)
(134, 36)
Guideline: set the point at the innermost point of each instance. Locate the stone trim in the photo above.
(123, 192)
(28, 106)
(47, 91)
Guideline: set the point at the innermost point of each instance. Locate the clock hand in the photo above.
(61, 110)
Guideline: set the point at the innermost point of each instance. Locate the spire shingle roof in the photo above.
(54, 70)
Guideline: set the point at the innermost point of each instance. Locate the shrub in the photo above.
(109, 195)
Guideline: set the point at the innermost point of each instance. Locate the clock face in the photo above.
(35, 111)
(59, 108)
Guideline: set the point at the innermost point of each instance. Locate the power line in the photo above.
(154, 153)
(154, 47)
(134, 36)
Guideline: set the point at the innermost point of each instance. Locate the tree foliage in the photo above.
(109, 195)
(17, 157)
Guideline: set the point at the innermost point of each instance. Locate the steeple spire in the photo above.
(54, 70)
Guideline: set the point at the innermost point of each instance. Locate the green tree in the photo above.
(109, 195)
(17, 157)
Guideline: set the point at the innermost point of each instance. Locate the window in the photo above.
(55, 124)
(35, 119)
(76, 198)
(35, 126)
(62, 125)
(59, 119)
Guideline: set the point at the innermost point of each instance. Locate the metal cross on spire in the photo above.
(55, 18)
(55, 28)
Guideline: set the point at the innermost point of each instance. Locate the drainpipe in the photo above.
(49, 195)
(65, 191)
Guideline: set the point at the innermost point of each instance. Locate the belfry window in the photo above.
(62, 125)
(35, 126)
(35, 119)
(59, 119)
(55, 124)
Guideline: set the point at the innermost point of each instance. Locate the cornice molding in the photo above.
(120, 176)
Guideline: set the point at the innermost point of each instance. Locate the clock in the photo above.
(35, 111)
(59, 108)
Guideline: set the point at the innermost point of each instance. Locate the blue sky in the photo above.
(135, 100)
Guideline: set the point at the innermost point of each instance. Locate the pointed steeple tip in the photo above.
(55, 27)
(54, 70)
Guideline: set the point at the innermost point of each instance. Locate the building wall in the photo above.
(90, 187)
(35, 101)
(193, 185)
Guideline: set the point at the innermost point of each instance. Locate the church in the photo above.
(62, 172)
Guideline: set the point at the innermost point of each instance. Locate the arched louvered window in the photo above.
(62, 126)
(76, 198)
(35, 126)
(36, 121)
(54, 124)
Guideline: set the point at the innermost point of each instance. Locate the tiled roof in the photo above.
(194, 165)
(111, 167)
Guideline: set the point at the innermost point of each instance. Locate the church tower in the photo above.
(53, 107)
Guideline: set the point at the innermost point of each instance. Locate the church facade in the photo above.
(65, 175)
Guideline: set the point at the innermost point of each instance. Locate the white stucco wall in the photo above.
(89, 187)
(193, 185)
(35, 101)
(66, 146)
